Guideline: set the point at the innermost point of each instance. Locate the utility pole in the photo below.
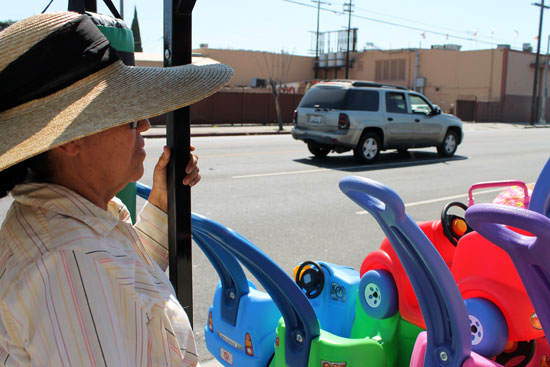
(543, 104)
(318, 2)
(349, 10)
(534, 103)
(121, 9)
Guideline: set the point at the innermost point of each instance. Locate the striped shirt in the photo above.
(79, 286)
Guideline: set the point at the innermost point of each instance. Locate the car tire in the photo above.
(488, 327)
(378, 294)
(318, 150)
(447, 148)
(368, 148)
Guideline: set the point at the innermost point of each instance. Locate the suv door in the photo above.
(398, 121)
(427, 126)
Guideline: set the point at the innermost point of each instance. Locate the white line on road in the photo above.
(378, 166)
(446, 198)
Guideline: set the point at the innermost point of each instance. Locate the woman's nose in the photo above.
(143, 125)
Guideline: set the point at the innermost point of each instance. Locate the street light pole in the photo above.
(319, 2)
(349, 10)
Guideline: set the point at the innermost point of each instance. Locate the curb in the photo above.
(154, 135)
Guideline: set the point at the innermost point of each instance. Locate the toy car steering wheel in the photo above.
(310, 278)
(454, 226)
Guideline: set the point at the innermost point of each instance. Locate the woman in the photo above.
(79, 285)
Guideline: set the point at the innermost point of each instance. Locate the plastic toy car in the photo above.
(529, 253)
(300, 341)
(498, 302)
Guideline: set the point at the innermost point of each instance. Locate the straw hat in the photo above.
(60, 80)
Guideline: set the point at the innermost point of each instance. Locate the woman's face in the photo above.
(115, 156)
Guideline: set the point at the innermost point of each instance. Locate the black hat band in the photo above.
(74, 51)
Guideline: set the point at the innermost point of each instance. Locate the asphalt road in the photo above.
(272, 191)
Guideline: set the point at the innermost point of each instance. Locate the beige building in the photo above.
(484, 85)
(249, 65)
(493, 84)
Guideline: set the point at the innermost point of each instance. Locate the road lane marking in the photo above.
(376, 167)
(446, 198)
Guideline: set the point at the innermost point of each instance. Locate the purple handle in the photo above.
(529, 254)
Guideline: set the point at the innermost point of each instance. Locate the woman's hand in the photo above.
(159, 192)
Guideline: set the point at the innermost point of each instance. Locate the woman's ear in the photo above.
(70, 149)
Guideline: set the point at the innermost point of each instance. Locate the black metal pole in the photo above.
(534, 99)
(80, 6)
(177, 51)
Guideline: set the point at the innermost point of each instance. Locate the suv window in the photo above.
(362, 100)
(323, 98)
(395, 102)
(419, 105)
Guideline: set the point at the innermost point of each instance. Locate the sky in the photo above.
(290, 25)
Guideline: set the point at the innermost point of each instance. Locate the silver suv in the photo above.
(369, 117)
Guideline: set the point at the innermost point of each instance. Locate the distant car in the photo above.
(368, 117)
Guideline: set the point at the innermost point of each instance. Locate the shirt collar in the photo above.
(63, 201)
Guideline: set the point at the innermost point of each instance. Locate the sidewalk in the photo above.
(159, 131)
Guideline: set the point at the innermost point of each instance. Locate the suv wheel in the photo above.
(368, 148)
(318, 150)
(448, 147)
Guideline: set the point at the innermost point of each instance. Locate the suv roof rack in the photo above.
(376, 85)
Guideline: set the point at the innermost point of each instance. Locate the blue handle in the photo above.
(143, 190)
(444, 311)
(540, 198)
(529, 254)
(233, 280)
(301, 323)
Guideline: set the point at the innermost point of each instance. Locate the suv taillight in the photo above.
(343, 121)
(295, 117)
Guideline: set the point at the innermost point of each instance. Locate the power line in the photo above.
(423, 30)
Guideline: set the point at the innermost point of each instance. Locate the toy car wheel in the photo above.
(517, 354)
(488, 327)
(447, 148)
(378, 294)
(318, 150)
(368, 148)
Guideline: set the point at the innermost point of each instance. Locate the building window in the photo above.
(390, 70)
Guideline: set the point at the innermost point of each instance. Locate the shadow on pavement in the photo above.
(386, 160)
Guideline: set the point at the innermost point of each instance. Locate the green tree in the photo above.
(135, 30)
(276, 68)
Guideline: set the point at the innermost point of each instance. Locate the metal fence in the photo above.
(241, 108)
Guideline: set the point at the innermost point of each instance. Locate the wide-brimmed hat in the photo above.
(61, 80)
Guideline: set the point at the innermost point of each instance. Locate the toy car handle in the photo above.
(484, 185)
(540, 197)
(530, 254)
(443, 309)
(300, 320)
(232, 278)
